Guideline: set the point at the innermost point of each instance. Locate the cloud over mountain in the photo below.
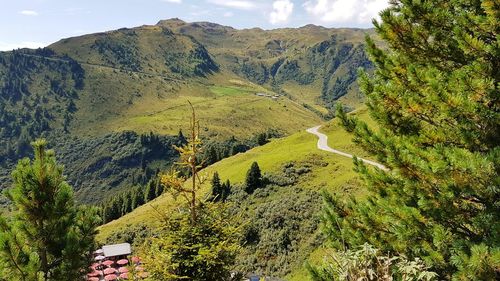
(345, 11)
(282, 10)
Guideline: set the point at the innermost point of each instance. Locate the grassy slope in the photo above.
(226, 108)
(341, 140)
(270, 157)
(154, 98)
(337, 176)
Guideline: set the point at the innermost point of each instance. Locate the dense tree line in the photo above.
(125, 202)
(31, 104)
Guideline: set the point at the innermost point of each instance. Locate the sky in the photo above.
(38, 23)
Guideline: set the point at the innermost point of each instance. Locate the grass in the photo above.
(227, 107)
(340, 139)
(332, 172)
(221, 91)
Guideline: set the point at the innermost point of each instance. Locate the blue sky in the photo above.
(35, 23)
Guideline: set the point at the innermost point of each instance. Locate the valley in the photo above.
(141, 79)
(267, 147)
(126, 105)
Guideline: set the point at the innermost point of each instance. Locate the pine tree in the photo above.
(253, 179)
(150, 193)
(47, 237)
(216, 188)
(211, 156)
(138, 197)
(226, 190)
(435, 96)
(127, 203)
(117, 207)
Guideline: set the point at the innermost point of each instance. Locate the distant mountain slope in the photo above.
(83, 89)
(322, 60)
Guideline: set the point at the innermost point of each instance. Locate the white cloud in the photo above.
(200, 13)
(4, 46)
(282, 10)
(345, 11)
(238, 4)
(29, 13)
(173, 1)
(228, 14)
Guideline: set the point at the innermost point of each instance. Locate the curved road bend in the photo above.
(323, 145)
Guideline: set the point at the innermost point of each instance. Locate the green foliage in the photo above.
(253, 179)
(216, 188)
(282, 222)
(119, 49)
(151, 188)
(220, 191)
(37, 92)
(125, 202)
(100, 167)
(205, 250)
(367, 263)
(217, 150)
(135, 235)
(47, 237)
(435, 96)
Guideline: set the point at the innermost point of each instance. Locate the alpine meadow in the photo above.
(338, 140)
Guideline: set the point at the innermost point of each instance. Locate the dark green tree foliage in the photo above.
(138, 197)
(253, 179)
(159, 189)
(150, 193)
(435, 95)
(218, 150)
(28, 109)
(226, 190)
(48, 237)
(125, 202)
(220, 191)
(216, 188)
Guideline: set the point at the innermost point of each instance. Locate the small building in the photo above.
(117, 251)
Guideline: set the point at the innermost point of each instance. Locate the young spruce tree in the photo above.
(253, 179)
(200, 241)
(47, 237)
(435, 95)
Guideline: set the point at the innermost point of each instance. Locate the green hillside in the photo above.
(313, 64)
(298, 173)
(94, 89)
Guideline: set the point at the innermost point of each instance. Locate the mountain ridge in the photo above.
(140, 79)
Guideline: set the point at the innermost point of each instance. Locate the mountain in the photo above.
(108, 91)
(282, 218)
(314, 64)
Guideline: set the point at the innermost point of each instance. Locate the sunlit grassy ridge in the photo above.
(329, 172)
(270, 157)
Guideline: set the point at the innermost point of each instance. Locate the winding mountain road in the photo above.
(323, 145)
